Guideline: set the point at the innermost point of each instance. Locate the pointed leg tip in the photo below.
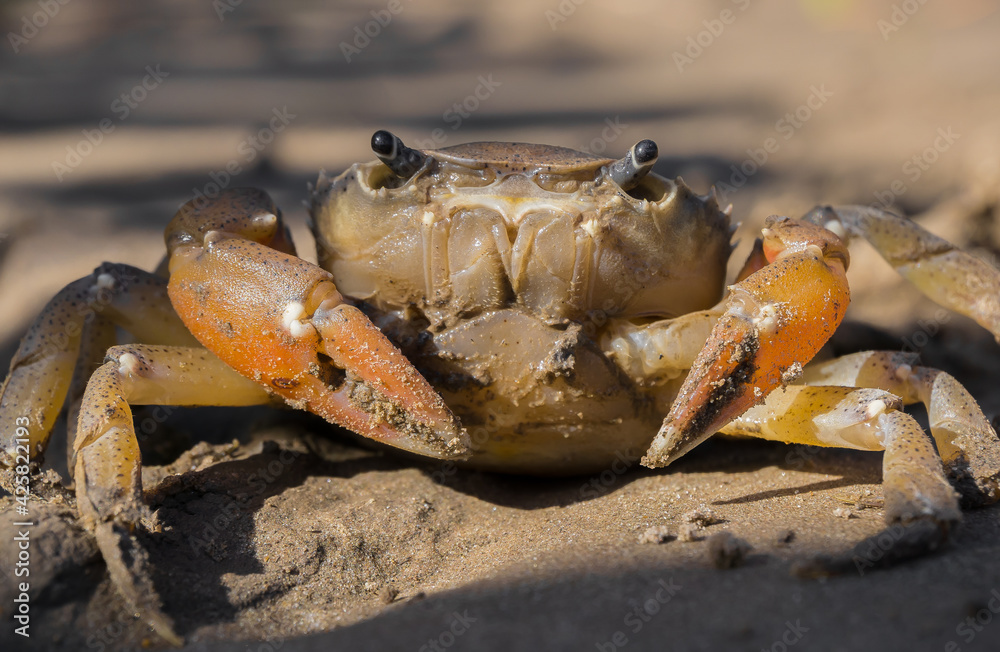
(668, 446)
(651, 461)
(128, 564)
(458, 448)
(655, 457)
(417, 421)
(452, 441)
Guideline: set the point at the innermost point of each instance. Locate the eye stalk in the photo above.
(402, 160)
(629, 170)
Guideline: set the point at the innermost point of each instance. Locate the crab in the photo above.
(512, 307)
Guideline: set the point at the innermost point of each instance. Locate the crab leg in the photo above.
(81, 316)
(280, 320)
(965, 439)
(97, 337)
(951, 277)
(921, 507)
(866, 419)
(776, 319)
(107, 470)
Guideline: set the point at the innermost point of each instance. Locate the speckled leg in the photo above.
(106, 446)
(967, 443)
(951, 277)
(43, 366)
(107, 471)
(921, 508)
(98, 336)
(866, 419)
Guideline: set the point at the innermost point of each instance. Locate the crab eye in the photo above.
(629, 170)
(402, 160)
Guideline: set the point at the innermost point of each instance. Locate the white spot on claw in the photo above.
(298, 328)
(766, 320)
(128, 364)
(291, 319)
(875, 408)
(106, 282)
(837, 227)
(265, 220)
(294, 310)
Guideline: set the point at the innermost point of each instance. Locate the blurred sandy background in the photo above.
(895, 102)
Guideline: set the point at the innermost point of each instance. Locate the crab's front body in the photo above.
(515, 307)
(499, 270)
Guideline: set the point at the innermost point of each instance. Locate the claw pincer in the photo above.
(281, 321)
(777, 319)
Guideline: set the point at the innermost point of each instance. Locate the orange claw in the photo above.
(279, 320)
(777, 319)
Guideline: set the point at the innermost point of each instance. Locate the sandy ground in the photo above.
(296, 538)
